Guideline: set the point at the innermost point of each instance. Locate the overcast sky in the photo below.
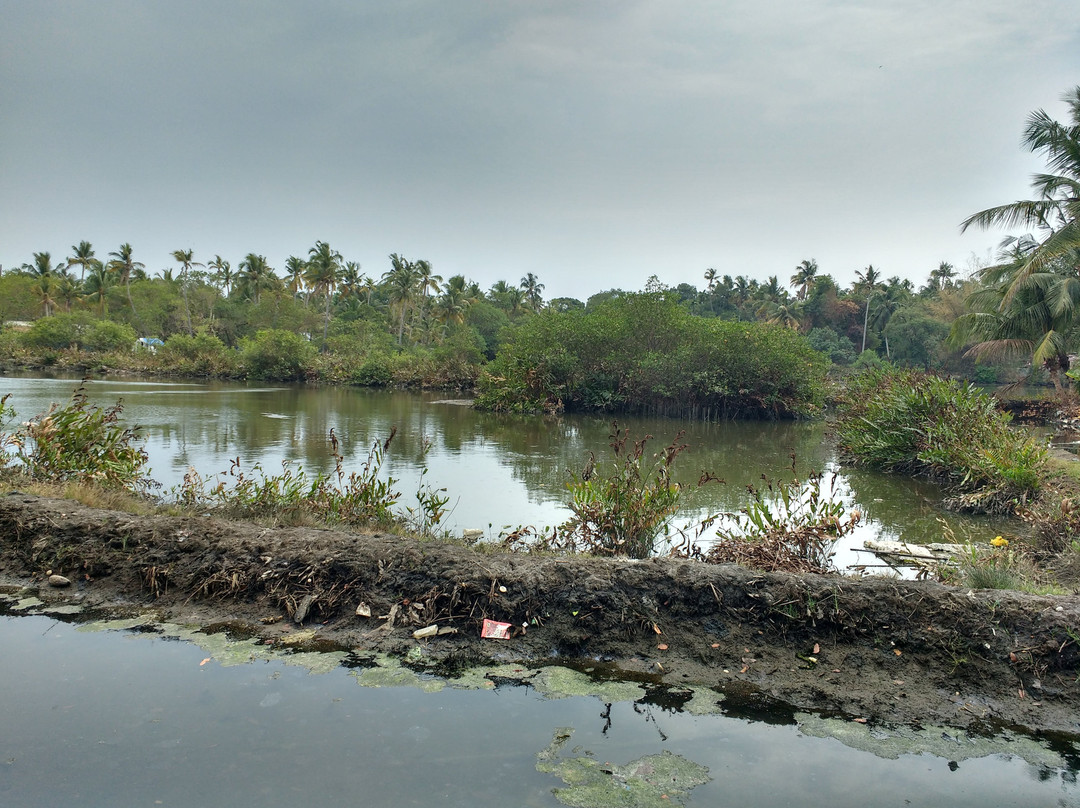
(592, 143)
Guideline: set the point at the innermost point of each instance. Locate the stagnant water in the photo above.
(499, 471)
(96, 716)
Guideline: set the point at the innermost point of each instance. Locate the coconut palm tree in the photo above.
(255, 276)
(402, 280)
(710, 278)
(186, 260)
(99, 281)
(44, 289)
(942, 277)
(83, 254)
(223, 274)
(1017, 311)
(1055, 212)
(427, 280)
(322, 274)
(532, 288)
(804, 277)
(121, 263)
(295, 267)
(67, 289)
(42, 266)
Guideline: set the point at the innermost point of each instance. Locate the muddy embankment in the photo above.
(872, 648)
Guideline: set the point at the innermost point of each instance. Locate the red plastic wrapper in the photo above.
(493, 630)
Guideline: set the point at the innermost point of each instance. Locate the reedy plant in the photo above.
(788, 525)
(82, 442)
(623, 509)
(293, 495)
(916, 423)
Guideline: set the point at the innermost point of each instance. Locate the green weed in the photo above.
(623, 508)
(82, 442)
(294, 495)
(788, 525)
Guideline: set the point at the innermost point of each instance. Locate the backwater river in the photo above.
(99, 715)
(131, 713)
(499, 471)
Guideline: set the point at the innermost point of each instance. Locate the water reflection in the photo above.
(113, 718)
(499, 470)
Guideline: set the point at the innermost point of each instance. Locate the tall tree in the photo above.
(1016, 311)
(255, 276)
(942, 277)
(97, 284)
(82, 254)
(43, 267)
(125, 267)
(323, 273)
(804, 277)
(1054, 214)
(295, 268)
(426, 279)
(44, 289)
(223, 274)
(402, 280)
(532, 288)
(186, 260)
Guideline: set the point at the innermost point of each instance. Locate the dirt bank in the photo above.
(879, 649)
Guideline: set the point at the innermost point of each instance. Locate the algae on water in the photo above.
(648, 782)
(951, 744)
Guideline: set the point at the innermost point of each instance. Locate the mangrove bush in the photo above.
(646, 353)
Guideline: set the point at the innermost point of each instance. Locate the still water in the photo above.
(97, 717)
(500, 471)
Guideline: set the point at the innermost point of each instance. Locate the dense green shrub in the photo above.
(645, 353)
(202, 354)
(907, 421)
(276, 354)
(106, 335)
(81, 441)
(839, 349)
(57, 332)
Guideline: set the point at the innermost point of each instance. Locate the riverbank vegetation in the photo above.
(739, 346)
(920, 424)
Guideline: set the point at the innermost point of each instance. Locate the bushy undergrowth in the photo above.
(787, 526)
(645, 353)
(78, 441)
(295, 496)
(624, 507)
(915, 423)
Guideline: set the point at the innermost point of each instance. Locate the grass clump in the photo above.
(297, 497)
(77, 442)
(787, 526)
(916, 423)
(623, 509)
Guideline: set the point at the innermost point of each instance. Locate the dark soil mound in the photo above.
(877, 648)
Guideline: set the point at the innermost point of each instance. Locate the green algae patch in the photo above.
(64, 608)
(389, 672)
(952, 744)
(24, 604)
(558, 683)
(648, 782)
(222, 648)
(120, 624)
(703, 701)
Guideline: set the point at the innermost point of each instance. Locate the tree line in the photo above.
(980, 324)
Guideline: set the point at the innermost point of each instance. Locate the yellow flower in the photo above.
(997, 541)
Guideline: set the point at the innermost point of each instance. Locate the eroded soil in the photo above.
(872, 648)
